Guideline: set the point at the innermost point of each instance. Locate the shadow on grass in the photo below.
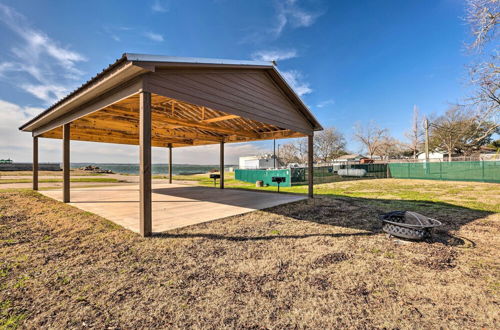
(361, 214)
(253, 238)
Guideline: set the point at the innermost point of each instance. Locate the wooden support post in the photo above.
(170, 163)
(221, 180)
(66, 168)
(145, 164)
(35, 163)
(310, 165)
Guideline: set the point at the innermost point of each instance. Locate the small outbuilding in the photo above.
(171, 102)
(434, 156)
(259, 162)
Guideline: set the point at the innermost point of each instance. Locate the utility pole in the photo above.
(274, 152)
(278, 156)
(426, 127)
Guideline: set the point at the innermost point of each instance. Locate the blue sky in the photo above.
(350, 60)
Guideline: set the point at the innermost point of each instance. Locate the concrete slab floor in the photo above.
(174, 205)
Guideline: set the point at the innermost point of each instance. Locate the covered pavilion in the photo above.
(171, 102)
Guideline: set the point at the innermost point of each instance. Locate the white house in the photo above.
(433, 156)
(258, 162)
(349, 158)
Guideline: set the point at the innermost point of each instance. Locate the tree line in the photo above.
(463, 129)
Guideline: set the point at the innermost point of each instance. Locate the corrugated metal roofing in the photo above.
(147, 58)
(193, 60)
(132, 57)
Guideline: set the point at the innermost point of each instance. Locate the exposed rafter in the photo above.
(221, 118)
(160, 115)
(173, 122)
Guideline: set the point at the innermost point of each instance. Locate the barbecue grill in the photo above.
(407, 224)
(278, 180)
(215, 177)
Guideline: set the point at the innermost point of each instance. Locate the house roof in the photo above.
(259, 157)
(131, 65)
(350, 156)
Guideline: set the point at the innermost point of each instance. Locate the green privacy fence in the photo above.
(264, 175)
(484, 171)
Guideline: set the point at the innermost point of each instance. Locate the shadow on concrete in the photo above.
(193, 194)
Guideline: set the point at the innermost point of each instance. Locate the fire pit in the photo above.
(407, 224)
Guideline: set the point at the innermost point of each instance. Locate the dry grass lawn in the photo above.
(307, 265)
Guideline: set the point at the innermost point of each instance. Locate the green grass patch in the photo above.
(450, 192)
(8, 318)
(107, 180)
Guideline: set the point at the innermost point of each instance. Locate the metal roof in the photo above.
(193, 60)
(173, 60)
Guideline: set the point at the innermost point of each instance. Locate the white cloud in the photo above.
(274, 55)
(325, 103)
(6, 67)
(154, 36)
(49, 93)
(115, 32)
(295, 79)
(13, 143)
(159, 6)
(45, 62)
(289, 13)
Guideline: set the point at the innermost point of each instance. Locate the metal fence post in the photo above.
(482, 168)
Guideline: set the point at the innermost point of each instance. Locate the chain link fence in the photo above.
(339, 172)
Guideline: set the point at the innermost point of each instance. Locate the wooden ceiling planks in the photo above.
(173, 122)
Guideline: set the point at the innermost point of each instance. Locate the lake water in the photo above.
(156, 169)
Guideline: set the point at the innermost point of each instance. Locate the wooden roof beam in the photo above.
(112, 139)
(221, 118)
(120, 134)
(107, 121)
(191, 135)
(208, 127)
(281, 134)
(160, 116)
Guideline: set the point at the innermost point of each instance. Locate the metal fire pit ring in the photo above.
(407, 224)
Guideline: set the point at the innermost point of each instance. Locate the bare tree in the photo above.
(390, 147)
(461, 130)
(483, 17)
(416, 134)
(288, 153)
(328, 144)
(370, 136)
(302, 149)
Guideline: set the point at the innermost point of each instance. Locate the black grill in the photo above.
(215, 177)
(278, 180)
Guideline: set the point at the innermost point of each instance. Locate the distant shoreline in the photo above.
(158, 168)
(120, 168)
